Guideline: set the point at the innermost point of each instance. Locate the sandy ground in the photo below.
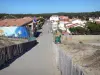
(87, 55)
(38, 61)
(10, 41)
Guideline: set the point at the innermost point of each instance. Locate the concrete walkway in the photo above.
(38, 61)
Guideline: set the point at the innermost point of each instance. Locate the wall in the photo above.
(65, 64)
(64, 60)
(86, 37)
(83, 38)
(13, 51)
(14, 31)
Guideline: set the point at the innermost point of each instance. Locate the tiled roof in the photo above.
(97, 21)
(63, 17)
(71, 25)
(15, 22)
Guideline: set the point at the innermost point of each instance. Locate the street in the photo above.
(38, 61)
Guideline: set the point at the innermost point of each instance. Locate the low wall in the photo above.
(83, 38)
(86, 37)
(87, 45)
(65, 64)
(10, 52)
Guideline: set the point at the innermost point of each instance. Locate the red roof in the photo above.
(98, 22)
(65, 18)
(15, 22)
(72, 25)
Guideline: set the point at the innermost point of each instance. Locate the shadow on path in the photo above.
(37, 34)
(26, 49)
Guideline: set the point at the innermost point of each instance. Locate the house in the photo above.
(97, 21)
(21, 27)
(91, 19)
(79, 22)
(54, 26)
(62, 26)
(75, 23)
(64, 18)
(54, 18)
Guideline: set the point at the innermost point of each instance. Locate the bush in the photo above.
(77, 30)
(41, 21)
(93, 28)
(72, 30)
(80, 30)
(90, 28)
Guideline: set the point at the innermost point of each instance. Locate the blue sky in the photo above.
(48, 6)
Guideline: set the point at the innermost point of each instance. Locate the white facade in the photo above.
(68, 31)
(91, 20)
(54, 18)
(97, 20)
(99, 17)
(79, 22)
(62, 26)
(54, 26)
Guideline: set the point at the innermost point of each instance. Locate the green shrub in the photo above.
(77, 30)
(93, 28)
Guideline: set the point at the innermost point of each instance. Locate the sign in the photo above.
(34, 19)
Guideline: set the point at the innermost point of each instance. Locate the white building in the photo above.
(99, 17)
(91, 19)
(75, 23)
(54, 26)
(97, 21)
(62, 26)
(79, 22)
(54, 18)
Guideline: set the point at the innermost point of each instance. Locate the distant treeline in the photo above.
(82, 15)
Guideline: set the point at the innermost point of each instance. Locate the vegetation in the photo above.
(93, 28)
(77, 30)
(89, 29)
(82, 15)
(40, 22)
